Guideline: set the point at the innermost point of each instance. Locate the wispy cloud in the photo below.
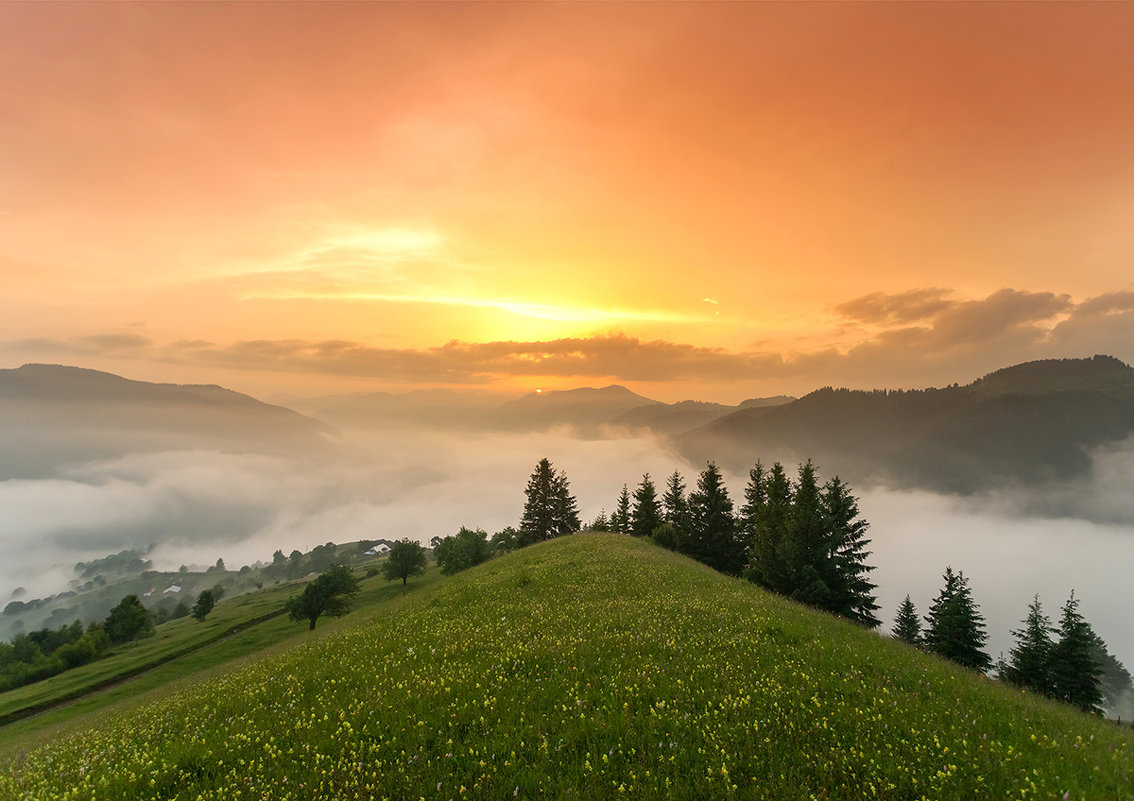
(950, 340)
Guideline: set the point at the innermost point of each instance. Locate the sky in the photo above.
(711, 200)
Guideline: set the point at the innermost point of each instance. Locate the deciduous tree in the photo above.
(406, 558)
(329, 594)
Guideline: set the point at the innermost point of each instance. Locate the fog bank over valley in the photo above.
(197, 505)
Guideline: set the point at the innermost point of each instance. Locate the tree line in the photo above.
(1068, 662)
(804, 539)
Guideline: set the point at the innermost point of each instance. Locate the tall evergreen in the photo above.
(1029, 662)
(1075, 667)
(767, 561)
(954, 626)
(805, 544)
(907, 627)
(549, 509)
(620, 518)
(751, 511)
(646, 514)
(675, 507)
(566, 507)
(714, 537)
(852, 592)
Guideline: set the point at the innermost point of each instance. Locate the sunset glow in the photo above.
(706, 200)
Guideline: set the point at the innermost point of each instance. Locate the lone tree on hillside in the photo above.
(550, 509)
(954, 627)
(907, 627)
(129, 621)
(329, 594)
(205, 603)
(406, 558)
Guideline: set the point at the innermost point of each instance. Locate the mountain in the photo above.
(586, 409)
(674, 418)
(52, 415)
(1024, 425)
(584, 667)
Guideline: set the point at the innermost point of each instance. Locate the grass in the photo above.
(593, 666)
(237, 628)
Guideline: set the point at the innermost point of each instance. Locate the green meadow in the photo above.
(590, 666)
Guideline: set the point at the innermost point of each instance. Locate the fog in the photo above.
(196, 506)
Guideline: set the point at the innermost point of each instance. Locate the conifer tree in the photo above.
(620, 518)
(675, 509)
(805, 544)
(646, 514)
(852, 592)
(1075, 667)
(907, 627)
(954, 626)
(566, 508)
(1029, 661)
(549, 509)
(755, 497)
(767, 563)
(714, 537)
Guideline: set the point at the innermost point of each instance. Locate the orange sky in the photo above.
(695, 200)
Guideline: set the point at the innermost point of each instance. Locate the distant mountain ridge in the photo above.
(1027, 424)
(52, 415)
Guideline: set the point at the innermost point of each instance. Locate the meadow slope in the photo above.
(592, 666)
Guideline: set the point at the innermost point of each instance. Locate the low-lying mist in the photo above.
(195, 506)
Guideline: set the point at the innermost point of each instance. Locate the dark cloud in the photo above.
(1006, 312)
(903, 307)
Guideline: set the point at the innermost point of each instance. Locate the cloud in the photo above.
(915, 338)
(903, 307)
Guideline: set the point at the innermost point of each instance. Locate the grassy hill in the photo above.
(593, 666)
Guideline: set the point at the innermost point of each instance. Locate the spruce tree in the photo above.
(620, 518)
(755, 498)
(1029, 661)
(1075, 667)
(907, 627)
(714, 538)
(566, 508)
(852, 592)
(767, 559)
(675, 511)
(954, 626)
(646, 514)
(805, 544)
(549, 509)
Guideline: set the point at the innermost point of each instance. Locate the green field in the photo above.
(592, 666)
(237, 628)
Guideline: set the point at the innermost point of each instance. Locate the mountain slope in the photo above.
(585, 408)
(52, 415)
(593, 666)
(1025, 425)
